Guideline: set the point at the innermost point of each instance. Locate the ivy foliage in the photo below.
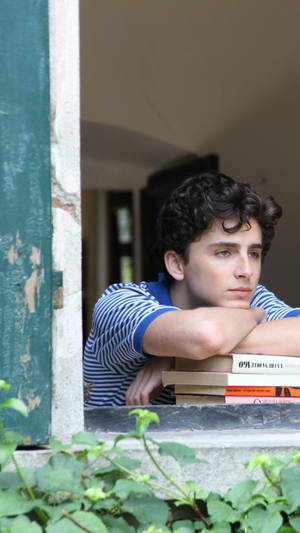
(101, 489)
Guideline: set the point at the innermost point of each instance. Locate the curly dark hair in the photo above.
(199, 201)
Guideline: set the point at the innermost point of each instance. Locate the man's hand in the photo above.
(148, 384)
(260, 315)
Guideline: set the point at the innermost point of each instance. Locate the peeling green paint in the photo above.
(25, 213)
(57, 285)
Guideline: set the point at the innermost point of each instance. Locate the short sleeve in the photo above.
(120, 319)
(274, 308)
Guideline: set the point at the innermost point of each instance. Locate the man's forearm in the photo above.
(199, 333)
(278, 337)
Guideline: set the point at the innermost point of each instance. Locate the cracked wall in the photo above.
(67, 403)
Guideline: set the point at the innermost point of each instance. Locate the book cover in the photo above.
(205, 398)
(261, 399)
(293, 392)
(282, 392)
(199, 377)
(239, 363)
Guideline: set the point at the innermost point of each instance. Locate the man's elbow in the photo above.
(209, 341)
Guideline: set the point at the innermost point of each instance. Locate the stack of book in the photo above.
(236, 378)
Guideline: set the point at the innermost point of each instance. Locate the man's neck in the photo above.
(179, 296)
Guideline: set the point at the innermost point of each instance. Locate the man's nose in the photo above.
(244, 268)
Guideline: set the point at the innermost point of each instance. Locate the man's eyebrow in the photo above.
(227, 244)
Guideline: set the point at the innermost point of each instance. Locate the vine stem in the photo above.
(163, 473)
(266, 473)
(18, 469)
(41, 514)
(150, 484)
(69, 517)
(178, 487)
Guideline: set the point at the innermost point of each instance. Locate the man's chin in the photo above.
(237, 304)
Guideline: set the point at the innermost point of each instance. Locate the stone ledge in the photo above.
(226, 453)
(199, 417)
(224, 436)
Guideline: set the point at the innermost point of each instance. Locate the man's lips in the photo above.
(241, 290)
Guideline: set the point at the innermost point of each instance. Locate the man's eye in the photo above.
(222, 253)
(254, 255)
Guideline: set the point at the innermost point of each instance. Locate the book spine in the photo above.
(198, 399)
(282, 392)
(265, 364)
(213, 378)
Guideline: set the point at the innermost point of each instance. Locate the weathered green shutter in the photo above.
(25, 213)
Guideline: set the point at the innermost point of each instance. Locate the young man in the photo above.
(213, 233)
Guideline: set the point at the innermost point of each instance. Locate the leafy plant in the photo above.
(74, 493)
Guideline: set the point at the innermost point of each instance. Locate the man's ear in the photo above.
(174, 265)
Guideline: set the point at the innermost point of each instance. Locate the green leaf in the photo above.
(295, 522)
(124, 487)
(17, 405)
(261, 520)
(95, 493)
(64, 461)
(290, 486)
(11, 480)
(61, 473)
(3, 385)
(124, 460)
(182, 453)
(153, 529)
(268, 493)
(272, 523)
(241, 493)
(14, 436)
(198, 492)
(95, 451)
(117, 525)
(219, 527)
(55, 512)
(106, 470)
(199, 526)
(146, 509)
(143, 419)
(6, 451)
(21, 524)
(220, 511)
(49, 479)
(85, 519)
(85, 437)
(13, 504)
(286, 529)
(259, 460)
(57, 446)
(296, 456)
(255, 518)
(183, 526)
(109, 504)
(119, 437)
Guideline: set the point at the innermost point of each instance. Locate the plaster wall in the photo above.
(225, 453)
(67, 395)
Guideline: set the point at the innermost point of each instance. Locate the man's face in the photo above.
(223, 268)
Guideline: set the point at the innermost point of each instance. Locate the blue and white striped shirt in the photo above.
(113, 353)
